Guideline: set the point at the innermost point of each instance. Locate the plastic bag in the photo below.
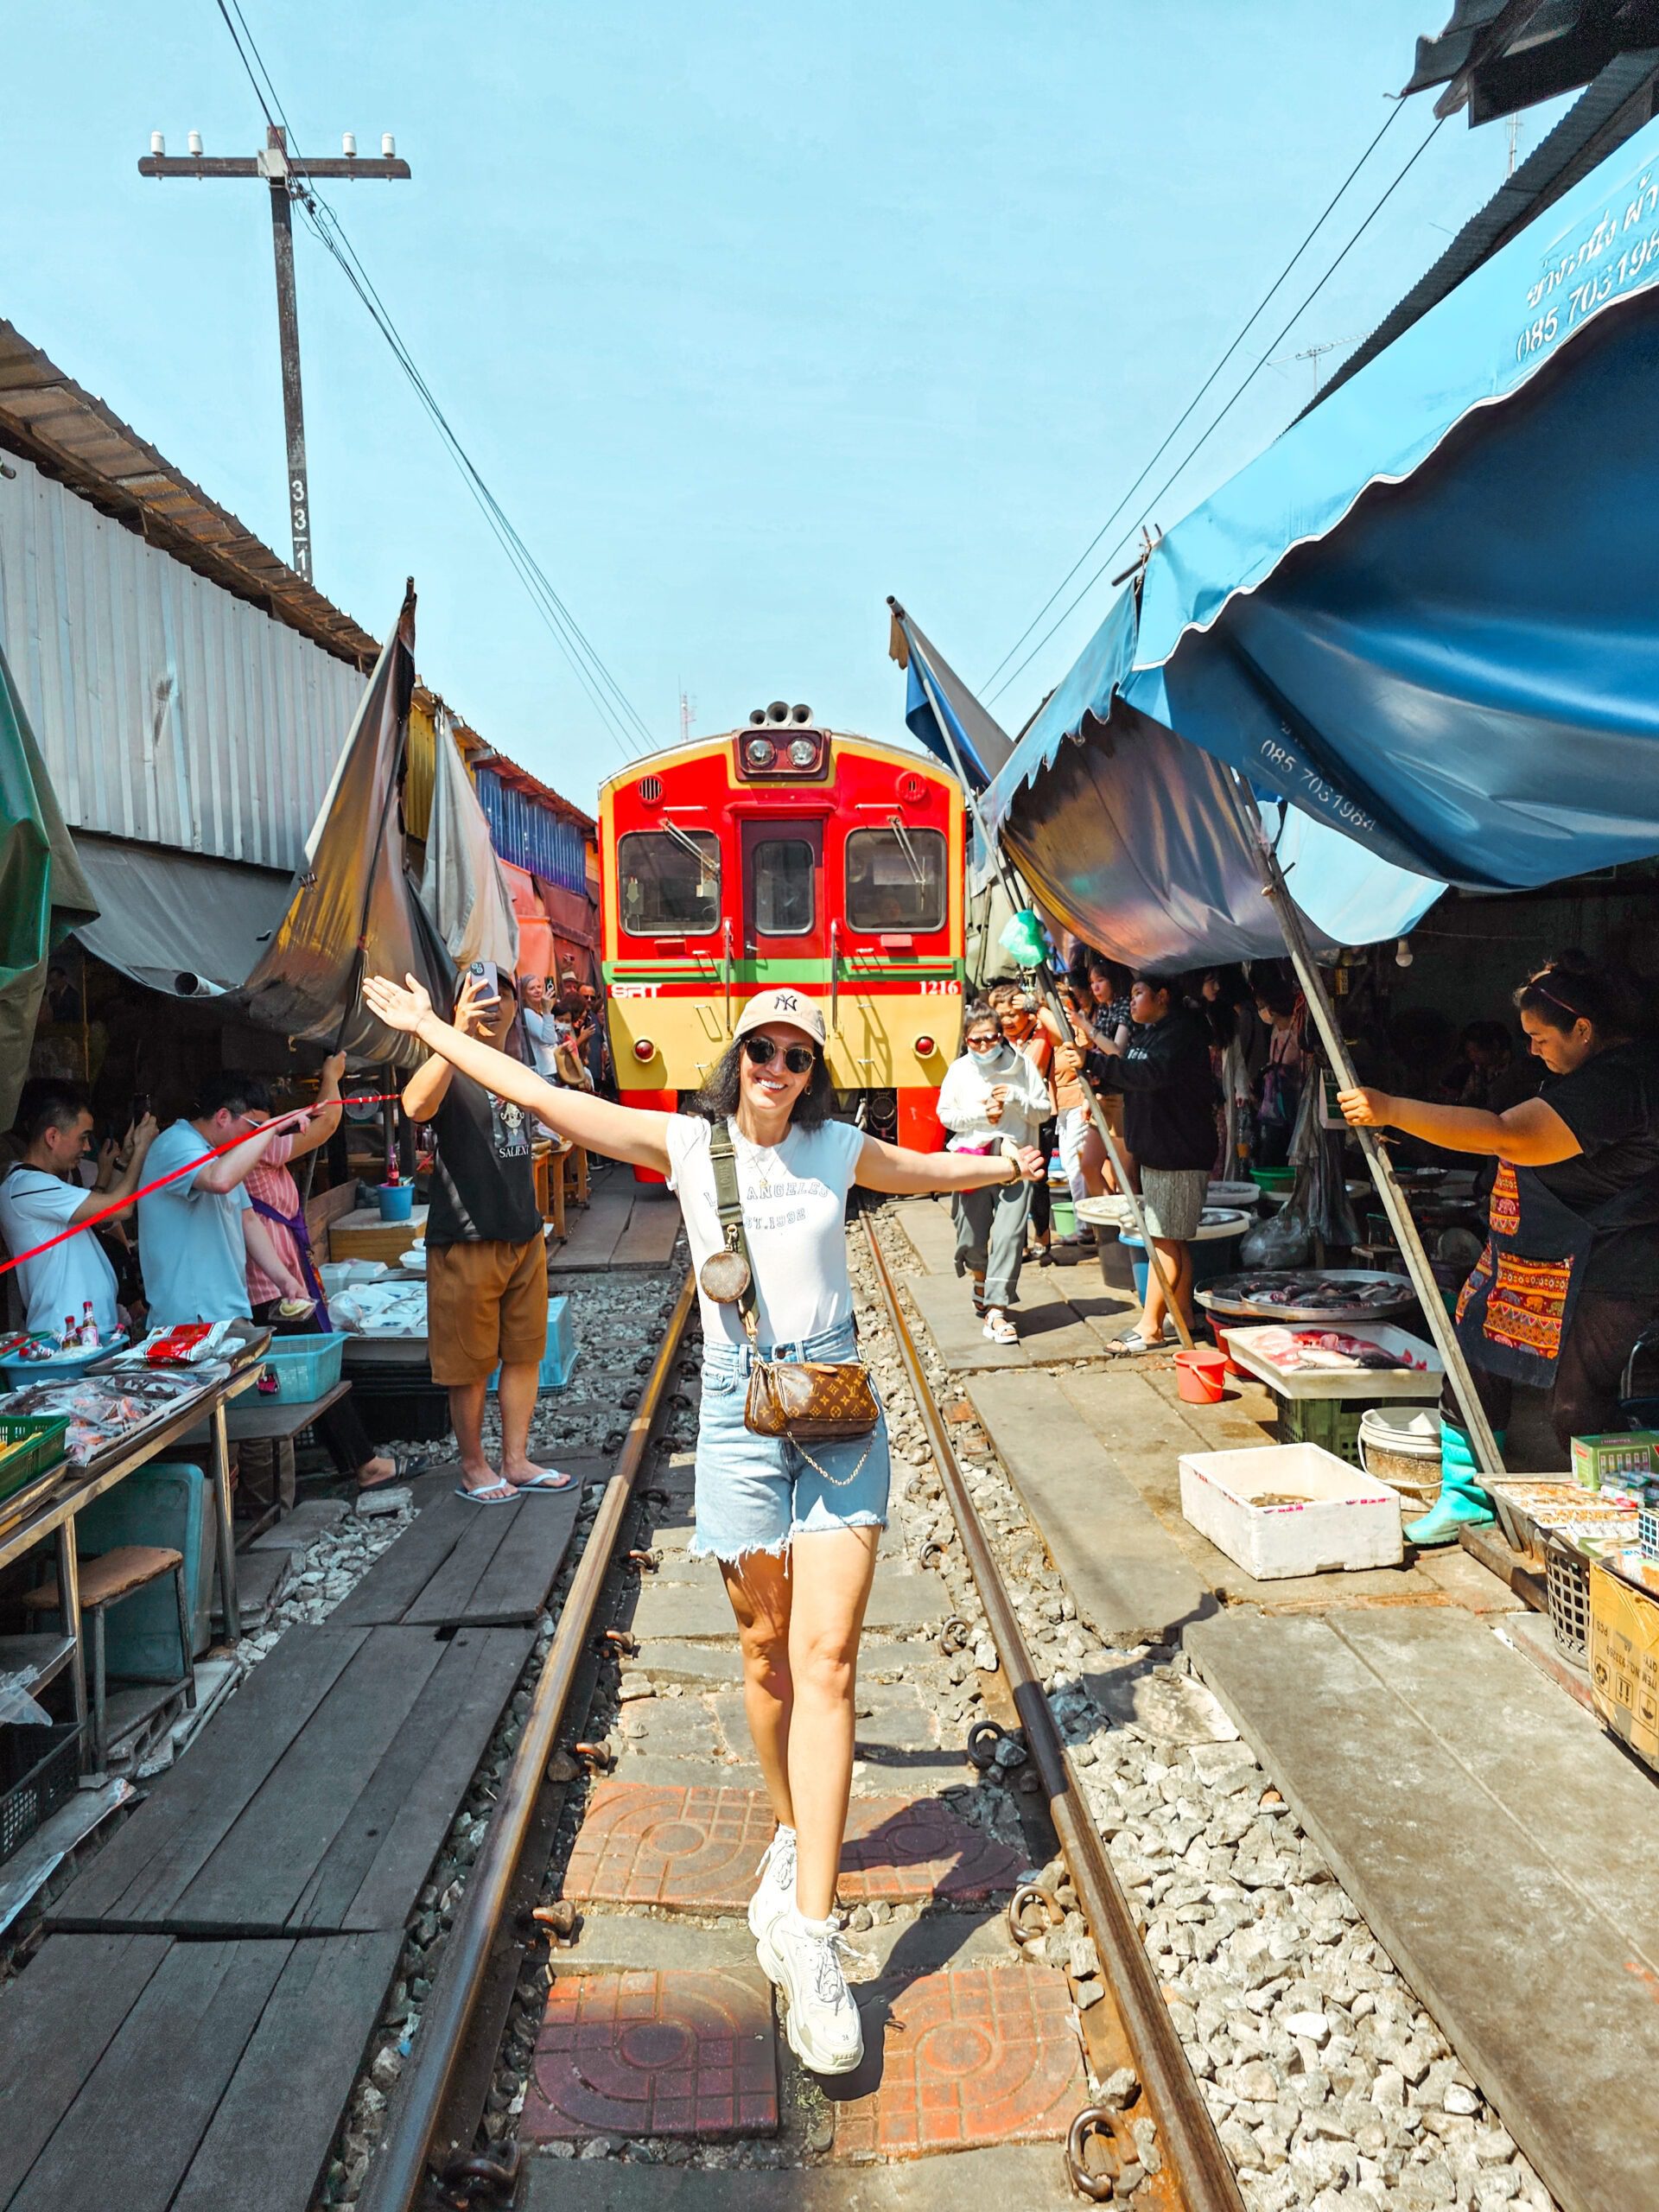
(1282, 1241)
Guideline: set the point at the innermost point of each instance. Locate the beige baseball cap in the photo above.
(782, 1005)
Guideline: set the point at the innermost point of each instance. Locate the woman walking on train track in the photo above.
(792, 1525)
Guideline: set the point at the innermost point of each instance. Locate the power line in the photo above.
(1387, 123)
(615, 709)
(1215, 422)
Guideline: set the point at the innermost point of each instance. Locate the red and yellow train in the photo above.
(786, 853)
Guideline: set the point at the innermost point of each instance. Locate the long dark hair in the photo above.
(718, 1099)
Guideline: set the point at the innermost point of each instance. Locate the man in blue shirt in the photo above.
(195, 1236)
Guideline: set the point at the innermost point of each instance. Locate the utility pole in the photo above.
(286, 174)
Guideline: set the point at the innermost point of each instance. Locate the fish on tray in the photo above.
(1294, 1349)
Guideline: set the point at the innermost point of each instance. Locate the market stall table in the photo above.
(58, 1503)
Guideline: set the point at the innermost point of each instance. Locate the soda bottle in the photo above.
(89, 1337)
(70, 1340)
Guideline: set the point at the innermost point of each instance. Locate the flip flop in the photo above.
(403, 1464)
(548, 1478)
(490, 1494)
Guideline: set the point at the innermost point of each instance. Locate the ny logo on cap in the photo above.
(788, 999)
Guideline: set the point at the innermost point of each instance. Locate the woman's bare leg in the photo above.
(761, 1589)
(833, 1571)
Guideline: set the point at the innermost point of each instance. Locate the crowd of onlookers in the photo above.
(1199, 1077)
(227, 1239)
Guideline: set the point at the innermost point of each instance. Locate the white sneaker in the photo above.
(776, 1891)
(803, 1958)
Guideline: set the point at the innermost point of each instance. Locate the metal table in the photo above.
(77, 1487)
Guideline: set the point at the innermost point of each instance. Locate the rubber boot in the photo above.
(1462, 1503)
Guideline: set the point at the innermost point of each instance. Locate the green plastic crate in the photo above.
(30, 1444)
(1331, 1423)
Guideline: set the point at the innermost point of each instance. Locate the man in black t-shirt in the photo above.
(486, 1266)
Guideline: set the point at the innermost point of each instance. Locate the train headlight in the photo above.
(925, 1048)
(759, 752)
(803, 752)
(644, 1049)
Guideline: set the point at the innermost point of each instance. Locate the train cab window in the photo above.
(782, 878)
(669, 882)
(894, 881)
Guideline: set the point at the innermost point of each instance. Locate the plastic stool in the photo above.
(104, 1582)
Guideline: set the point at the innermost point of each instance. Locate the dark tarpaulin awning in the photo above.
(351, 909)
(43, 893)
(1424, 613)
(1139, 843)
(178, 922)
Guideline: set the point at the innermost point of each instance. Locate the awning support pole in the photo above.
(1018, 898)
(1487, 1455)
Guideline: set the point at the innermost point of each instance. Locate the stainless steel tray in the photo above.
(1222, 1296)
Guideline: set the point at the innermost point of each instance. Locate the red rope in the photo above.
(380, 1098)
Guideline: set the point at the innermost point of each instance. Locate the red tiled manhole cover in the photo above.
(979, 2054)
(642, 1843)
(684, 2052)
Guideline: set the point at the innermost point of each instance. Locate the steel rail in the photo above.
(1189, 2140)
(397, 2172)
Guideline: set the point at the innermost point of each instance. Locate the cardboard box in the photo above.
(1623, 1652)
(1627, 1460)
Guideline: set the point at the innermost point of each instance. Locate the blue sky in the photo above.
(750, 315)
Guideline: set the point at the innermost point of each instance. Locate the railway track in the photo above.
(1132, 2124)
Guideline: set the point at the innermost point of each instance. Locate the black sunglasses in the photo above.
(798, 1058)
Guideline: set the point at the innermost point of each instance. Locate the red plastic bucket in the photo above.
(1218, 1331)
(1200, 1375)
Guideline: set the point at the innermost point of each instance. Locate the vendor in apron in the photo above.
(1570, 1275)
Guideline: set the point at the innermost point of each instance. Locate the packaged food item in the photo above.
(185, 1346)
(1627, 1460)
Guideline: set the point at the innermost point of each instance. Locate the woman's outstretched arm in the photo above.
(618, 1132)
(894, 1168)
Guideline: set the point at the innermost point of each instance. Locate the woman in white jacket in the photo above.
(992, 1100)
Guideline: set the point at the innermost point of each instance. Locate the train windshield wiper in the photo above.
(895, 823)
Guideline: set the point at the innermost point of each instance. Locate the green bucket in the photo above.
(1064, 1214)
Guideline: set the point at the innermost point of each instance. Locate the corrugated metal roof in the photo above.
(167, 711)
(69, 433)
(1497, 56)
(1623, 97)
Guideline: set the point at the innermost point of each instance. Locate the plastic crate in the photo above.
(1331, 1423)
(560, 1357)
(399, 1403)
(38, 1767)
(305, 1367)
(1566, 1585)
(30, 1444)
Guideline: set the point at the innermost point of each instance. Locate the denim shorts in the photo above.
(759, 1493)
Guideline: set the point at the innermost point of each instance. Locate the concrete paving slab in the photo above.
(958, 1335)
(1130, 1582)
(930, 1233)
(1140, 1429)
(699, 1611)
(668, 1659)
(684, 2051)
(1531, 1635)
(1031, 2178)
(974, 2056)
(1505, 1854)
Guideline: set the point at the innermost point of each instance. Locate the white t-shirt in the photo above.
(794, 1218)
(34, 1205)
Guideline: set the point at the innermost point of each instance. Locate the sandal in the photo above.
(999, 1328)
(544, 1478)
(404, 1465)
(488, 1494)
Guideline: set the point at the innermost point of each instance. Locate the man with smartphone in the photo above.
(485, 1262)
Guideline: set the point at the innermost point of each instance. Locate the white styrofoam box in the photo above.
(1342, 1381)
(1348, 1520)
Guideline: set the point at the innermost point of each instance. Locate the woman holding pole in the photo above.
(1570, 1276)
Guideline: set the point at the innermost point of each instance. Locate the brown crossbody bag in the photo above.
(808, 1401)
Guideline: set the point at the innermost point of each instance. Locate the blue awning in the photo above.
(1425, 613)
(941, 712)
